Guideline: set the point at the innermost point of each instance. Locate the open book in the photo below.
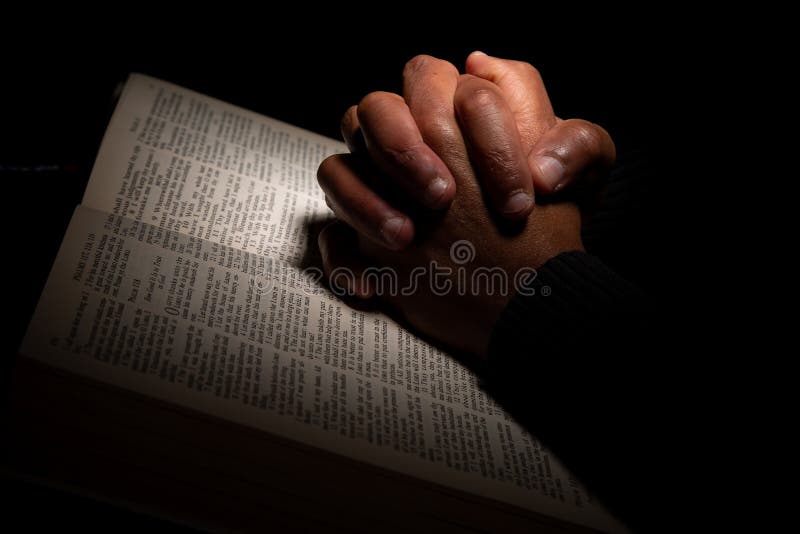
(185, 360)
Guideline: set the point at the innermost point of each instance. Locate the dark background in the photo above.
(56, 99)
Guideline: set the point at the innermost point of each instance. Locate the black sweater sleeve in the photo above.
(576, 302)
(571, 362)
(597, 369)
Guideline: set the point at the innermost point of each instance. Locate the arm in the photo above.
(559, 363)
(572, 361)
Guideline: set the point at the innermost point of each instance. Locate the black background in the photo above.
(60, 75)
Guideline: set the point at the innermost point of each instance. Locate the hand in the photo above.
(400, 136)
(460, 318)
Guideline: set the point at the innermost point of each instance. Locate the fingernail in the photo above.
(517, 203)
(481, 53)
(551, 171)
(435, 190)
(390, 230)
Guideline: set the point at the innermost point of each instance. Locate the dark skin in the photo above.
(473, 149)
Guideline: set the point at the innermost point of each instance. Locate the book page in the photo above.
(227, 322)
(189, 163)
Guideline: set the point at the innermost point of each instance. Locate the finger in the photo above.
(351, 131)
(429, 85)
(573, 149)
(396, 146)
(494, 146)
(342, 267)
(361, 207)
(522, 86)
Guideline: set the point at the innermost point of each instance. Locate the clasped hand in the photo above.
(477, 161)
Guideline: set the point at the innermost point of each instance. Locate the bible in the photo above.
(185, 359)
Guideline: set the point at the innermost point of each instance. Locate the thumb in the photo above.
(573, 151)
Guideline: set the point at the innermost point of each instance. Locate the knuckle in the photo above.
(524, 70)
(593, 140)
(402, 155)
(498, 162)
(376, 111)
(436, 123)
(327, 170)
(450, 69)
(375, 102)
(417, 65)
(348, 122)
(530, 70)
(588, 136)
(479, 101)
